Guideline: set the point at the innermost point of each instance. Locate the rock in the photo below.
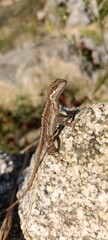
(9, 166)
(40, 15)
(8, 93)
(99, 54)
(5, 3)
(77, 14)
(69, 198)
(29, 69)
(74, 10)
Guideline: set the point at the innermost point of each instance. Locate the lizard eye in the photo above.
(53, 87)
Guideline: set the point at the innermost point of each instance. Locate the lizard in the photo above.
(49, 120)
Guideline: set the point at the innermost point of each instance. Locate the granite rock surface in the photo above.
(69, 198)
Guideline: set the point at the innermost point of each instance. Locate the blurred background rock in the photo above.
(44, 40)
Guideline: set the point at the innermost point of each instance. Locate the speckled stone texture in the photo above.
(68, 199)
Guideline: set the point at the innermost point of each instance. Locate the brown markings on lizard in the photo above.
(50, 118)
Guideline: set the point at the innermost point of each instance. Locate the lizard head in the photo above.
(56, 88)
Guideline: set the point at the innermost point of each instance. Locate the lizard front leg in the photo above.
(60, 120)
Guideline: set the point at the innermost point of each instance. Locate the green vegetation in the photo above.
(101, 80)
(99, 12)
(62, 13)
(15, 125)
(6, 42)
(17, 20)
(93, 34)
(101, 8)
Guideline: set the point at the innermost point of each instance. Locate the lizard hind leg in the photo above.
(53, 151)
